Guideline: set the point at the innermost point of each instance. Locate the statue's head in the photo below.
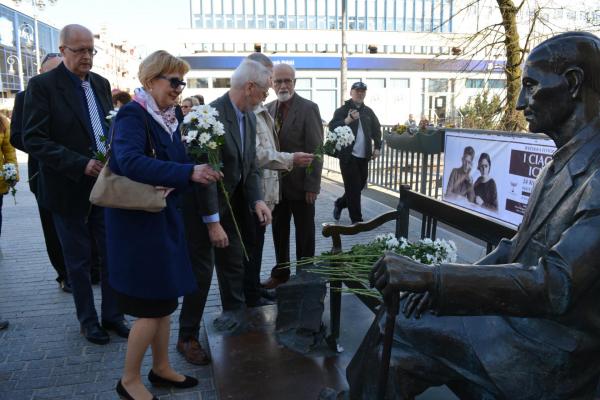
(556, 77)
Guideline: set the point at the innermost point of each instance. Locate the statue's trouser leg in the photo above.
(427, 352)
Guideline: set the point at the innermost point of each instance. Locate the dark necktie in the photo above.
(279, 118)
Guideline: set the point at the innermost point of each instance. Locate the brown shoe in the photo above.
(193, 353)
(273, 282)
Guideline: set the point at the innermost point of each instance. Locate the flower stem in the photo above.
(237, 228)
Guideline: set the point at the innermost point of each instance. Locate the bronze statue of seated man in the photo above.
(523, 322)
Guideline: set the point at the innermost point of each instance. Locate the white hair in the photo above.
(250, 71)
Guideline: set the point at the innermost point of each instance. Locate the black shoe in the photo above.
(3, 325)
(156, 380)
(337, 212)
(65, 286)
(123, 393)
(269, 294)
(120, 328)
(95, 334)
(259, 303)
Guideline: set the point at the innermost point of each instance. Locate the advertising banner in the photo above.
(493, 174)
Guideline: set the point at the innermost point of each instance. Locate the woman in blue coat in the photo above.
(147, 253)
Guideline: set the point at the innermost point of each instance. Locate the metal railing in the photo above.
(396, 167)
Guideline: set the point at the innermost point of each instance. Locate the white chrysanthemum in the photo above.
(212, 145)
(192, 135)
(218, 128)
(203, 138)
(392, 243)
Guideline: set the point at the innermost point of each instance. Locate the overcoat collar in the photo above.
(571, 161)
(73, 97)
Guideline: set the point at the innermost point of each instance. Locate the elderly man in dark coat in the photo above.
(524, 322)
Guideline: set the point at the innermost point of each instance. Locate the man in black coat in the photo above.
(210, 229)
(50, 61)
(354, 159)
(64, 126)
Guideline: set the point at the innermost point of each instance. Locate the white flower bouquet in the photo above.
(204, 137)
(11, 176)
(356, 264)
(335, 141)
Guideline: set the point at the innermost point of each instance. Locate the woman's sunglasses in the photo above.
(175, 82)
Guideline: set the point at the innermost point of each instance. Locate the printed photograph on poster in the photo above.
(492, 174)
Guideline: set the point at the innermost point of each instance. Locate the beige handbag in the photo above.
(116, 191)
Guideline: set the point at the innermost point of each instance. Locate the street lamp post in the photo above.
(11, 61)
(36, 5)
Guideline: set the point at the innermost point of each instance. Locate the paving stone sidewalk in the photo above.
(43, 355)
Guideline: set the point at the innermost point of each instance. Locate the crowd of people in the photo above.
(146, 261)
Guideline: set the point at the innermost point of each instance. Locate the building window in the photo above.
(438, 85)
(375, 83)
(474, 84)
(326, 83)
(496, 83)
(221, 83)
(399, 83)
(197, 83)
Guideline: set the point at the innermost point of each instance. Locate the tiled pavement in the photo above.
(42, 354)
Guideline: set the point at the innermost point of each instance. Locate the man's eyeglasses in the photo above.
(49, 56)
(175, 82)
(91, 51)
(278, 82)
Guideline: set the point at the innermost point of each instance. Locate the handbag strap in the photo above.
(148, 137)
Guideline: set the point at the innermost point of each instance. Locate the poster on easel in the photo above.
(493, 173)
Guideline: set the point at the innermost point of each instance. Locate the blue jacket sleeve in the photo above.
(128, 146)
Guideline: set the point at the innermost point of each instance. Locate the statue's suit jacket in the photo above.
(57, 134)
(239, 162)
(302, 130)
(543, 285)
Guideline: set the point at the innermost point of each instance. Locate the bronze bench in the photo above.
(433, 212)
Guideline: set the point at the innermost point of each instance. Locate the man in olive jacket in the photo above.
(354, 159)
(299, 129)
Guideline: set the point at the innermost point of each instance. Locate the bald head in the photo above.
(73, 31)
(285, 69)
(567, 50)
(77, 49)
(261, 58)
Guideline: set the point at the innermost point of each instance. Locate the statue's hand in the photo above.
(416, 304)
(393, 272)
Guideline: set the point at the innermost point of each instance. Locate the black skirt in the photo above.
(146, 308)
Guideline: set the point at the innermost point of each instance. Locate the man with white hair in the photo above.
(216, 236)
(299, 128)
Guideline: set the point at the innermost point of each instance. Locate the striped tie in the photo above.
(94, 117)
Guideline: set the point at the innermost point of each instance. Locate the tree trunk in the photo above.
(512, 120)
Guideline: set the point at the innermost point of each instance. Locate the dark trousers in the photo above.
(76, 242)
(202, 259)
(304, 220)
(354, 173)
(53, 247)
(253, 265)
(229, 262)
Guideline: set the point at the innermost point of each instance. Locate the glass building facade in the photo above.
(363, 15)
(18, 47)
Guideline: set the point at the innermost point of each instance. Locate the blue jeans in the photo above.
(76, 240)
